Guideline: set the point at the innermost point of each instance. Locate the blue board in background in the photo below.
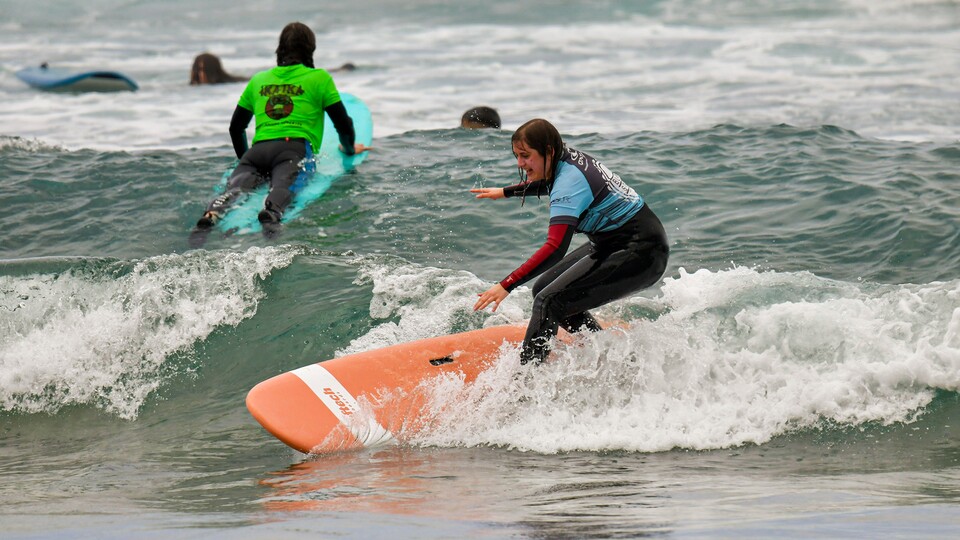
(330, 164)
(61, 80)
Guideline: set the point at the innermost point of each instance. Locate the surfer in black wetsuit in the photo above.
(627, 249)
(289, 102)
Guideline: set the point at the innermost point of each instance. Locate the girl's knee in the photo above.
(547, 306)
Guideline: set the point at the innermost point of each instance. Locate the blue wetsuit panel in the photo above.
(589, 196)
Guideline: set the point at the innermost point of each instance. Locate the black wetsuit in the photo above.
(627, 251)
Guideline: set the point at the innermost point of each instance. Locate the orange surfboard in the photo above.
(363, 399)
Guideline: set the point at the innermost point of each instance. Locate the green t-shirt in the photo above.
(288, 101)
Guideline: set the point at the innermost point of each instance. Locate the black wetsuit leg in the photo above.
(612, 266)
(285, 174)
(276, 161)
(245, 178)
(578, 321)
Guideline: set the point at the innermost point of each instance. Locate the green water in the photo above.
(811, 263)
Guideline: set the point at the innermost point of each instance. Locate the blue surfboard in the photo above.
(329, 164)
(61, 80)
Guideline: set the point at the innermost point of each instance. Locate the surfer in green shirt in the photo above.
(288, 102)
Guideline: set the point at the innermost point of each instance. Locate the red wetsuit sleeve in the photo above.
(558, 240)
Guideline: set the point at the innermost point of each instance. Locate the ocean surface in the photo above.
(795, 374)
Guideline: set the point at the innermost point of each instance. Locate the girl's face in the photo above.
(531, 161)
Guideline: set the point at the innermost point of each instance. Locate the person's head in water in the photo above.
(349, 66)
(207, 69)
(296, 46)
(480, 117)
(538, 148)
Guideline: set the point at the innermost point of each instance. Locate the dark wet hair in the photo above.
(207, 69)
(482, 117)
(296, 46)
(540, 135)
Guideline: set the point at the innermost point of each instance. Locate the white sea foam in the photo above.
(30, 145)
(734, 357)
(106, 338)
(420, 302)
(881, 69)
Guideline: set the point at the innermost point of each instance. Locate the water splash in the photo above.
(421, 302)
(728, 358)
(103, 333)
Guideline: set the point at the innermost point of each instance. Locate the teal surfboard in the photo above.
(329, 163)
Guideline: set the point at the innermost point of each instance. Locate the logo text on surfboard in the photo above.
(338, 399)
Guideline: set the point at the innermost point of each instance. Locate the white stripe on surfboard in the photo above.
(342, 404)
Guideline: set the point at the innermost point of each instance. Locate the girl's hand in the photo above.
(357, 148)
(488, 193)
(494, 295)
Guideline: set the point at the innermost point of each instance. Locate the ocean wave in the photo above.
(107, 333)
(30, 145)
(714, 360)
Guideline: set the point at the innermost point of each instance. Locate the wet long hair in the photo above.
(207, 69)
(297, 43)
(540, 135)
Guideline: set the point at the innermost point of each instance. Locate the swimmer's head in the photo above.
(207, 69)
(349, 66)
(479, 118)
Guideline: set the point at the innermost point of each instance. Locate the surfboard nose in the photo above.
(291, 411)
(370, 398)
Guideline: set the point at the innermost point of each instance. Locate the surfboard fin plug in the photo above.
(441, 361)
